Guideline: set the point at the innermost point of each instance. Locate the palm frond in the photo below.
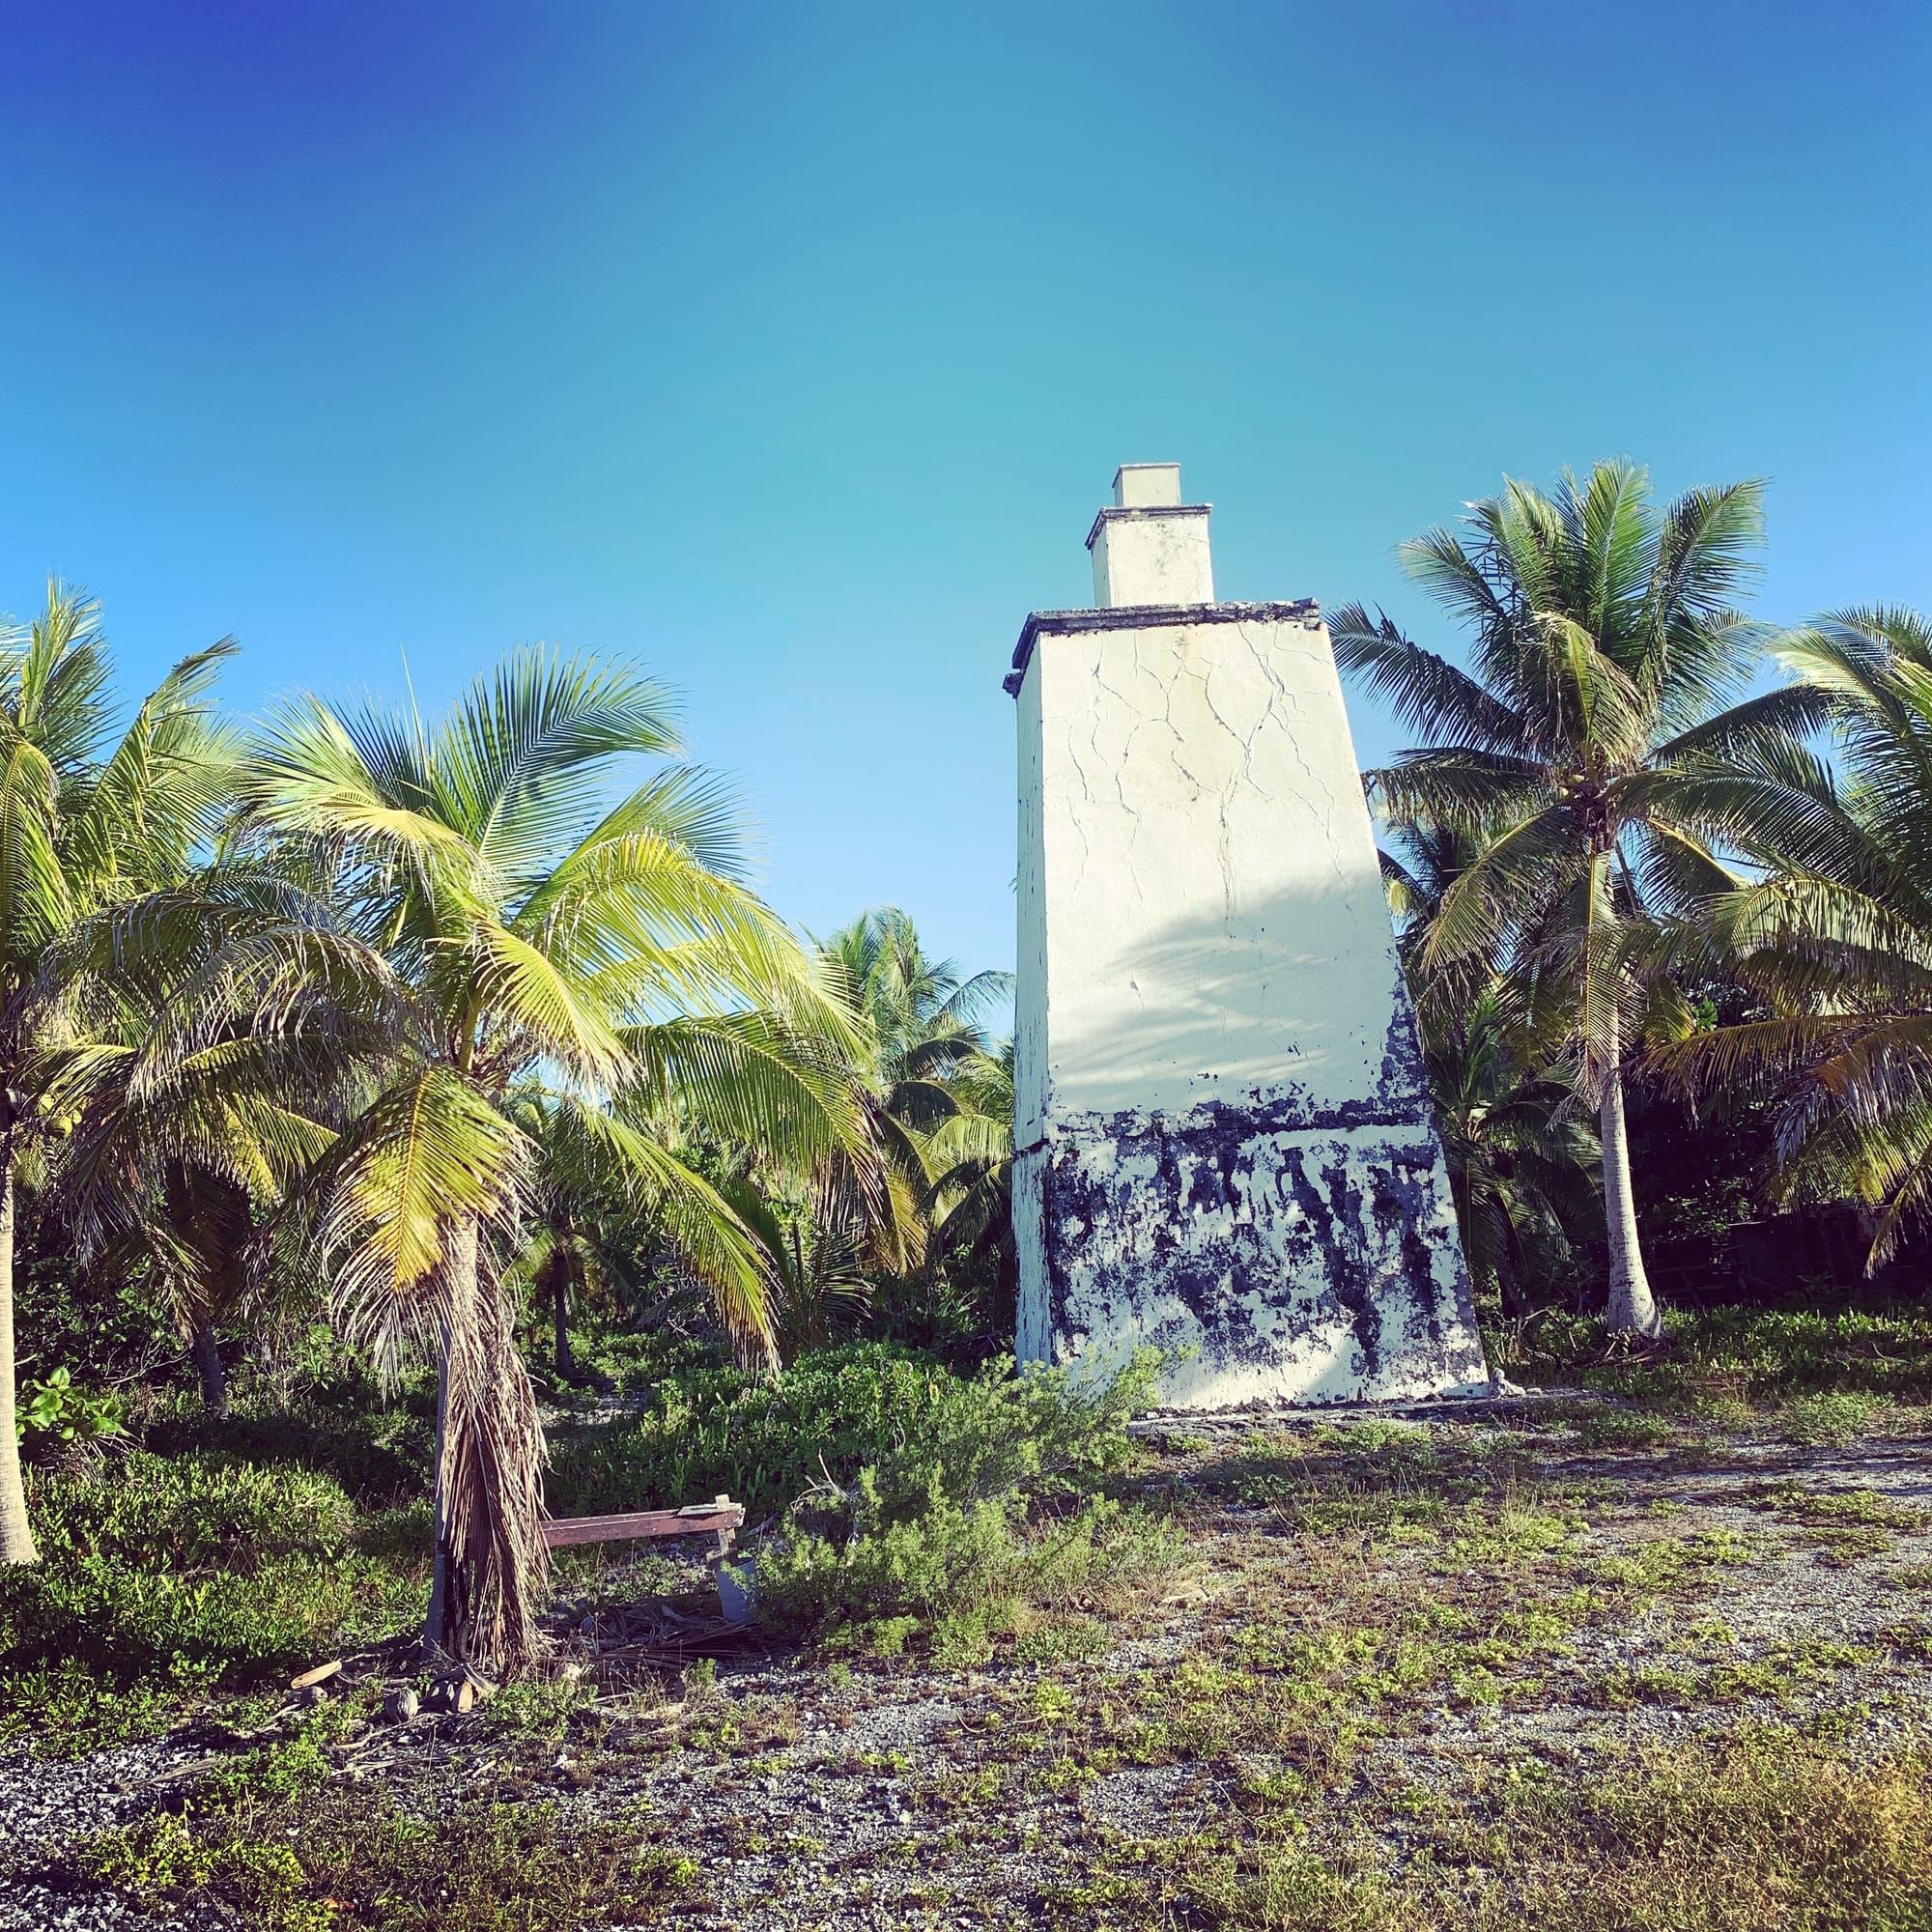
(428, 1158)
(524, 754)
(1427, 692)
(710, 1238)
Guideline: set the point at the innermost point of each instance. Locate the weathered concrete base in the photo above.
(1266, 1259)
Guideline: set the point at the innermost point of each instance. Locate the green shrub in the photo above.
(955, 1521)
(1717, 1358)
(1833, 1417)
(171, 1577)
(154, 1512)
(966, 1573)
(768, 1441)
(376, 1449)
(282, 1772)
(57, 1414)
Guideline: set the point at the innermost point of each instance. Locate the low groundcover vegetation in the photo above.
(1652, 1651)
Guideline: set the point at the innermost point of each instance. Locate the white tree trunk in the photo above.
(16, 1536)
(1632, 1310)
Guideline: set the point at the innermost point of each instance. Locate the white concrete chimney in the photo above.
(1149, 547)
(1223, 1147)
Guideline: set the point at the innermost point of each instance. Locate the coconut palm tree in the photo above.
(1585, 744)
(500, 924)
(923, 1015)
(87, 816)
(1833, 929)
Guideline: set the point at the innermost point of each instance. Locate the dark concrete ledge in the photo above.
(1122, 513)
(1148, 617)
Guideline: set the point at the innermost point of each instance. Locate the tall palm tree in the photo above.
(87, 816)
(1586, 743)
(1833, 929)
(504, 924)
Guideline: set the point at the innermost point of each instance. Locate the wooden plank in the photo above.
(695, 1520)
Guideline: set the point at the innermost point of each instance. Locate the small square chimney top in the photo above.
(1146, 486)
(1147, 546)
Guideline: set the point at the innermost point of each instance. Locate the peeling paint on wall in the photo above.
(1265, 1261)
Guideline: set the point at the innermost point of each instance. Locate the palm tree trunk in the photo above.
(16, 1535)
(436, 1623)
(490, 1552)
(207, 1356)
(1632, 1310)
(445, 1629)
(566, 1362)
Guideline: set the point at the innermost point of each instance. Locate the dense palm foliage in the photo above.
(88, 816)
(427, 1020)
(1834, 930)
(177, 1166)
(938, 1093)
(1517, 1143)
(1589, 749)
(579, 1233)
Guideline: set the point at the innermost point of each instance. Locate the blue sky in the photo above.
(790, 348)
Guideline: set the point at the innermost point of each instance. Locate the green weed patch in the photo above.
(334, 1858)
(169, 1578)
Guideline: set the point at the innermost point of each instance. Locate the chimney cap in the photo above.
(1147, 546)
(1146, 486)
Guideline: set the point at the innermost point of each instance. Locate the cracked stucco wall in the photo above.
(1225, 1148)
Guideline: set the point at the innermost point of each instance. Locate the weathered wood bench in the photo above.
(721, 1518)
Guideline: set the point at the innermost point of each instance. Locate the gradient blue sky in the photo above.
(790, 348)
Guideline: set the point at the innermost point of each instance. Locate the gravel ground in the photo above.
(47, 1806)
(839, 1805)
